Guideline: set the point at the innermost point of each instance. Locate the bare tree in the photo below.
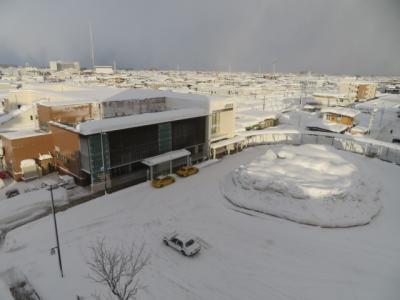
(117, 268)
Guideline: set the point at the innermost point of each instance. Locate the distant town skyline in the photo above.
(334, 37)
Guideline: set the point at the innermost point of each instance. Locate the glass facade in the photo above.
(99, 154)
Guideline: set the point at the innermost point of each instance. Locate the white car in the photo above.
(187, 245)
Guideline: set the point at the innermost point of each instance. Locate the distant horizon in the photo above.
(327, 37)
(6, 65)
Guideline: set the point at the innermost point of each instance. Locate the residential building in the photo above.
(20, 146)
(331, 99)
(358, 91)
(340, 115)
(134, 135)
(103, 70)
(63, 66)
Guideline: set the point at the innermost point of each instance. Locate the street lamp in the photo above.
(52, 250)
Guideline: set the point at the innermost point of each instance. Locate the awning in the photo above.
(155, 160)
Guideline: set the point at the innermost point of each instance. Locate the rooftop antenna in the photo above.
(274, 66)
(91, 43)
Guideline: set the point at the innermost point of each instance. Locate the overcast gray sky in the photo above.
(327, 36)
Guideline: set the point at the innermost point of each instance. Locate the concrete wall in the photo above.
(226, 111)
(119, 108)
(66, 114)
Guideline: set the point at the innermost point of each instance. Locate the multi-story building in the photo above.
(63, 66)
(133, 135)
(358, 91)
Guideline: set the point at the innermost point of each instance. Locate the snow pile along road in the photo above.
(311, 184)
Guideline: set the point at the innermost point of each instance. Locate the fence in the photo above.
(368, 147)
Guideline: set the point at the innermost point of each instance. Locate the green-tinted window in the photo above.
(99, 156)
(164, 137)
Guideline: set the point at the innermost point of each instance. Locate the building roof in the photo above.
(21, 134)
(104, 94)
(138, 120)
(341, 111)
(321, 125)
(155, 160)
(329, 95)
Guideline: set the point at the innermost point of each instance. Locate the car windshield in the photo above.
(189, 243)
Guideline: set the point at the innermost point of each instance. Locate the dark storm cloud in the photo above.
(342, 36)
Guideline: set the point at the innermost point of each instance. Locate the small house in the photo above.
(340, 115)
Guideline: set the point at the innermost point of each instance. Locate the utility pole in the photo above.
(91, 43)
(56, 231)
(264, 104)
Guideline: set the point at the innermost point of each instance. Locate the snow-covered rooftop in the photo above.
(333, 95)
(14, 135)
(327, 126)
(341, 111)
(118, 123)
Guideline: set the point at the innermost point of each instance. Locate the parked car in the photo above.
(12, 193)
(162, 181)
(187, 171)
(185, 244)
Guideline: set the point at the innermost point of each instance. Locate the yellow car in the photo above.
(187, 171)
(161, 181)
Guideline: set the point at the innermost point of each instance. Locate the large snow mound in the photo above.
(310, 184)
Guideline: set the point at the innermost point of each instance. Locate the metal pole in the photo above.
(56, 231)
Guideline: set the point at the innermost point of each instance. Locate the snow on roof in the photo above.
(223, 143)
(104, 94)
(118, 123)
(359, 129)
(27, 162)
(333, 95)
(155, 160)
(129, 94)
(14, 135)
(327, 126)
(45, 156)
(341, 111)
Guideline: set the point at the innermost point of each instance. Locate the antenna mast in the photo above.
(91, 43)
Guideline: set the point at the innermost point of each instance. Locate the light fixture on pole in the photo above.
(52, 250)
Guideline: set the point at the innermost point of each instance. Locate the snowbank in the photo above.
(27, 207)
(311, 184)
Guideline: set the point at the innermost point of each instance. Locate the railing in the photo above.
(365, 146)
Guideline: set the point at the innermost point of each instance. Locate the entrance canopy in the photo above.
(165, 157)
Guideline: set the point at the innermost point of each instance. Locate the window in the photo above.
(215, 122)
(189, 243)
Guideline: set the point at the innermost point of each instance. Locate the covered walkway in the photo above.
(167, 162)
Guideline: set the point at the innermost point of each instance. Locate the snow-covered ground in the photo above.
(312, 184)
(244, 256)
(34, 200)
